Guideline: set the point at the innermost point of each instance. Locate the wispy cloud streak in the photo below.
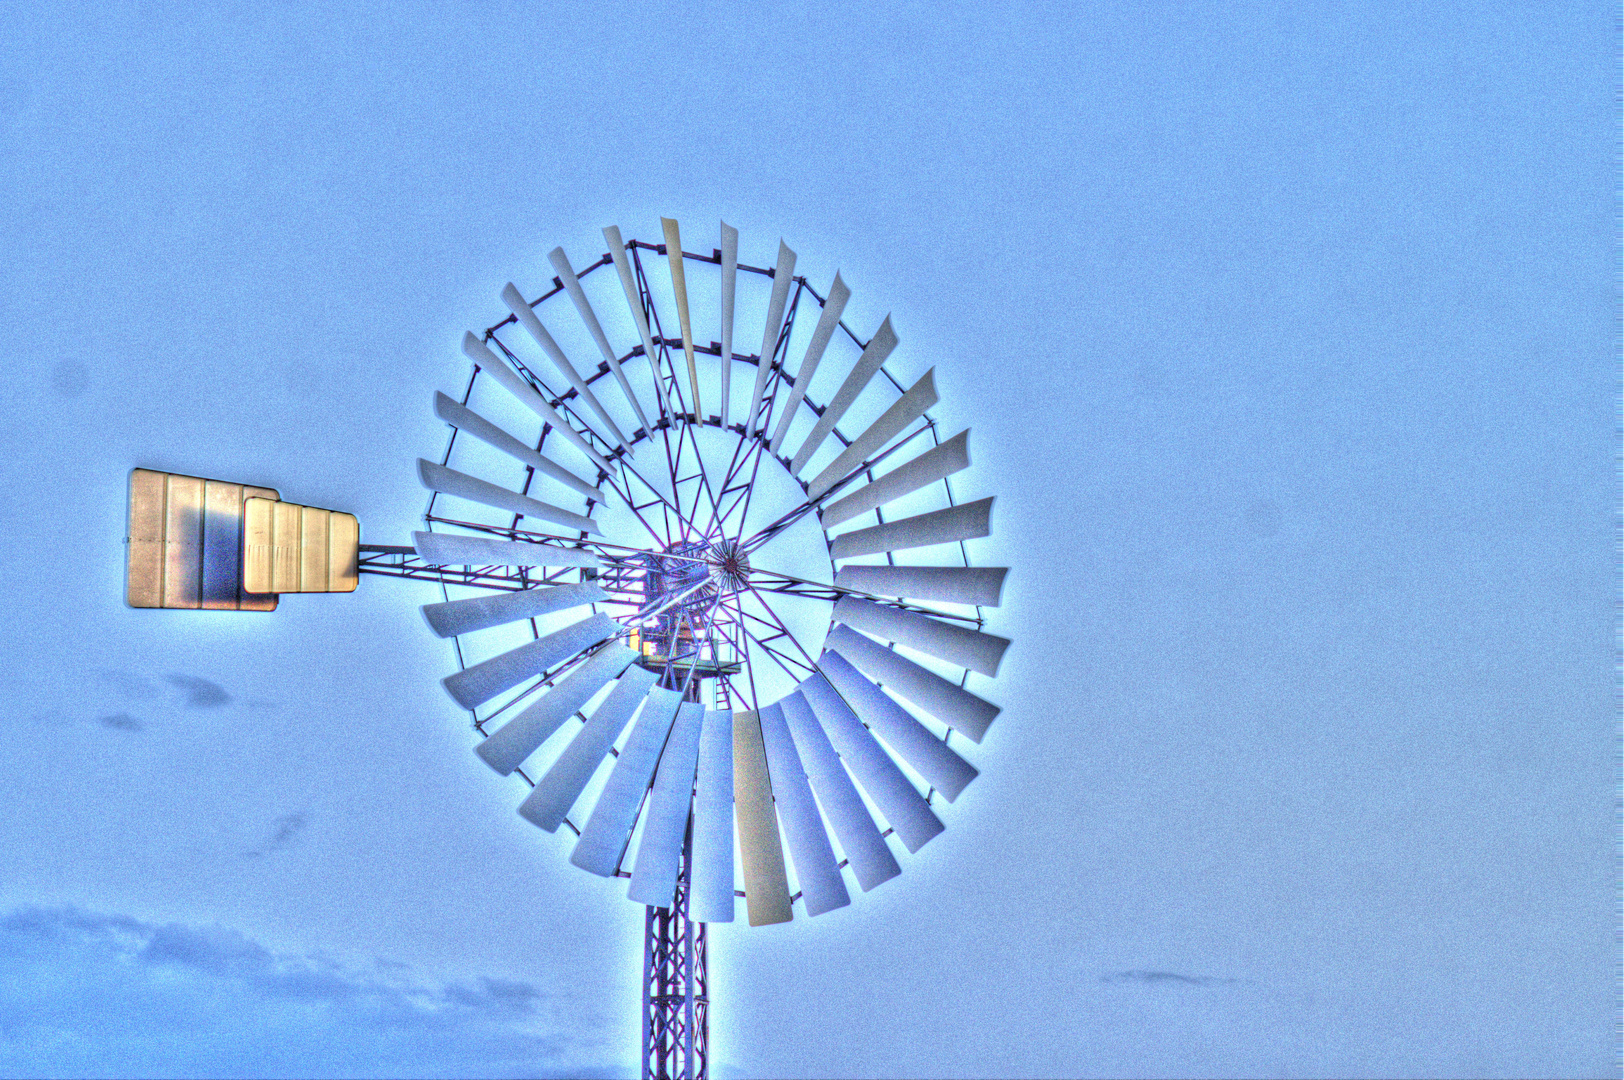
(1166, 978)
(90, 994)
(201, 693)
(288, 828)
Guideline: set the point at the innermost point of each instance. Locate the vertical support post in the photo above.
(676, 1039)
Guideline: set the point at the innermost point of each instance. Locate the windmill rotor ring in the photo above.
(699, 592)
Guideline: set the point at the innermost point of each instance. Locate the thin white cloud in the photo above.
(88, 994)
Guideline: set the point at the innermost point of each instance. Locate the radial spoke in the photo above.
(636, 509)
(749, 491)
(710, 493)
(778, 657)
(762, 536)
(780, 624)
(811, 590)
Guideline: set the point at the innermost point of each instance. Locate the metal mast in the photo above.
(676, 1029)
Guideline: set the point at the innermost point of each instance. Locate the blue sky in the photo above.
(1288, 339)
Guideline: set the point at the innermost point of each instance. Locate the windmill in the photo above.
(684, 605)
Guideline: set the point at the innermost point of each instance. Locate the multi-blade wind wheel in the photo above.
(760, 608)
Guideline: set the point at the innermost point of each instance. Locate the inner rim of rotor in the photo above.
(695, 600)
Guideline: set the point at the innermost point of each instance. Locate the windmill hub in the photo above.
(729, 567)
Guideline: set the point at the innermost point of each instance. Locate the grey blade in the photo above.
(783, 277)
(454, 617)
(679, 288)
(871, 861)
(956, 644)
(730, 274)
(607, 831)
(905, 810)
(497, 368)
(933, 465)
(946, 701)
(463, 418)
(908, 408)
(930, 757)
(964, 522)
(583, 307)
(476, 685)
(874, 355)
(832, 309)
(654, 874)
(766, 886)
(527, 319)
(550, 801)
(451, 482)
(710, 886)
(822, 887)
(628, 285)
(517, 739)
(445, 549)
(815, 869)
(982, 586)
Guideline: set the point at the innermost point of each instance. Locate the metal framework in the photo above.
(700, 510)
(676, 999)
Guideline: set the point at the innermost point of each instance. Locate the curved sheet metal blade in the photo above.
(517, 739)
(766, 886)
(679, 287)
(966, 521)
(946, 701)
(783, 278)
(832, 309)
(654, 874)
(710, 879)
(930, 757)
(907, 408)
(451, 482)
(497, 368)
(446, 549)
(871, 861)
(527, 318)
(550, 800)
(905, 810)
(608, 830)
(463, 418)
(583, 307)
(956, 644)
(982, 586)
(822, 887)
(628, 285)
(933, 465)
(874, 354)
(476, 685)
(453, 617)
(730, 276)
